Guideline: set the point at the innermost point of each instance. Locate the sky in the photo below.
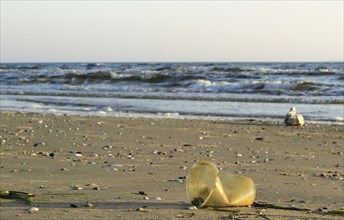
(171, 31)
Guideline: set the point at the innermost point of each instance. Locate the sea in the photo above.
(215, 91)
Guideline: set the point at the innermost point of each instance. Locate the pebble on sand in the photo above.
(77, 188)
(89, 205)
(33, 209)
(192, 207)
(141, 209)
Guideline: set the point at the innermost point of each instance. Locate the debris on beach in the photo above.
(238, 155)
(91, 185)
(293, 119)
(73, 205)
(207, 187)
(142, 193)
(77, 188)
(183, 167)
(192, 207)
(141, 209)
(188, 215)
(33, 209)
(6, 194)
(89, 205)
(39, 143)
(335, 175)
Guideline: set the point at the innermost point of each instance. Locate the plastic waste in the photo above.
(207, 187)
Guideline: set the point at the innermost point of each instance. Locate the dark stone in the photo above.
(197, 201)
(74, 206)
(142, 193)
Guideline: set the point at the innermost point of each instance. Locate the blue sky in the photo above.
(153, 31)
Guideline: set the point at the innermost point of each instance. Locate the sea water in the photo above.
(263, 91)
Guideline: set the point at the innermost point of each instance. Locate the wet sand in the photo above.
(131, 168)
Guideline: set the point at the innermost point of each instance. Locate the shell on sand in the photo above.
(294, 119)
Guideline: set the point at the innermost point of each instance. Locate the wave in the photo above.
(232, 69)
(179, 82)
(186, 96)
(75, 77)
(283, 79)
(306, 86)
(341, 78)
(315, 73)
(273, 87)
(89, 77)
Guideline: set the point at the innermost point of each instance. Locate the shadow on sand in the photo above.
(99, 205)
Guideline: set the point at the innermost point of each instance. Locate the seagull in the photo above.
(293, 119)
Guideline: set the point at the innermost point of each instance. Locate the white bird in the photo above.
(294, 119)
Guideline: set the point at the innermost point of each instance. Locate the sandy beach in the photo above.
(134, 168)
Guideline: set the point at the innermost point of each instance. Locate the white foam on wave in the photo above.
(277, 85)
(53, 110)
(114, 74)
(69, 86)
(202, 84)
(169, 114)
(101, 113)
(149, 71)
(339, 118)
(36, 106)
(107, 109)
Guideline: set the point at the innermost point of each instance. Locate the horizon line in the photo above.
(325, 61)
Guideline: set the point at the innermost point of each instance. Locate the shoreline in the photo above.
(177, 116)
(108, 161)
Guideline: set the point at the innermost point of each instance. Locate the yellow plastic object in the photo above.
(206, 187)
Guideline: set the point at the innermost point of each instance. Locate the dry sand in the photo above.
(110, 162)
